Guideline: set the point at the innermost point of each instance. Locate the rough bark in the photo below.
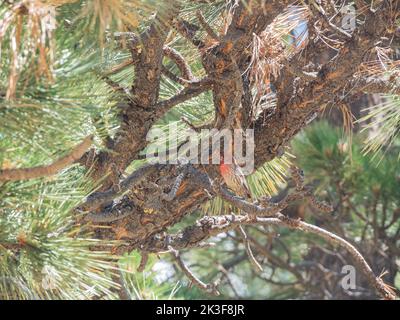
(143, 214)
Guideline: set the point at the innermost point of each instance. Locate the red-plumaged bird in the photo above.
(235, 179)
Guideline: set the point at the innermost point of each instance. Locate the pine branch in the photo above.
(206, 26)
(194, 89)
(180, 62)
(208, 227)
(97, 199)
(49, 170)
(118, 68)
(117, 212)
(188, 31)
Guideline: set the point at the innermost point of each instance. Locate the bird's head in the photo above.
(224, 168)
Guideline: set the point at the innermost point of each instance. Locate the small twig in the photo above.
(296, 71)
(322, 13)
(206, 26)
(196, 128)
(227, 277)
(130, 37)
(361, 5)
(115, 176)
(298, 177)
(122, 291)
(115, 85)
(118, 68)
(166, 72)
(194, 89)
(188, 31)
(143, 261)
(208, 288)
(319, 205)
(167, 154)
(49, 170)
(250, 254)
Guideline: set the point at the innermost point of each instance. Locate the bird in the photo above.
(234, 179)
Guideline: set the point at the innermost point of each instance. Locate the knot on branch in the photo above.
(306, 191)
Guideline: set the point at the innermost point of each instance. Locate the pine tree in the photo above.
(83, 211)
